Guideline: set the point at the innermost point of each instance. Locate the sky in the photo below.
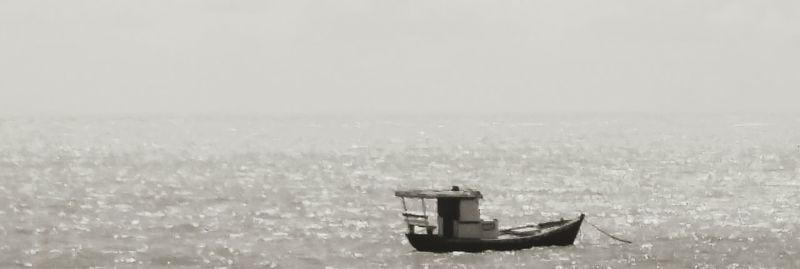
(277, 57)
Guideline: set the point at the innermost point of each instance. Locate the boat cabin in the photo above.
(457, 210)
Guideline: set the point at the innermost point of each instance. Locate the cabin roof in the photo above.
(434, 194)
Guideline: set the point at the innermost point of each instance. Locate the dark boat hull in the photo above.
(563, 235)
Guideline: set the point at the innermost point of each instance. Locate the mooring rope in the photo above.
(608, 234)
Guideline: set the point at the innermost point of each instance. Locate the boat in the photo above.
(459, 226)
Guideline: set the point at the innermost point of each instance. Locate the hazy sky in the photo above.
(398, 56)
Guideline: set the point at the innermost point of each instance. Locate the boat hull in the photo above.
(563, 235)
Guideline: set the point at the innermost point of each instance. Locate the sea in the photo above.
(240, 191)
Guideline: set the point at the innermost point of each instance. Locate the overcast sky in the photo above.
(398, 56)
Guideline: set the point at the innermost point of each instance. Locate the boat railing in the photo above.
(414, 219)
(417, 220)
(408, 214)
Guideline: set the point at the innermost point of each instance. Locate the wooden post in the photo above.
(428, 228)
(405, 210)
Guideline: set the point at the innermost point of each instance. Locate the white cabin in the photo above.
(458, 214)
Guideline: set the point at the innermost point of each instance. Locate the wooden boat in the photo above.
(462, 229)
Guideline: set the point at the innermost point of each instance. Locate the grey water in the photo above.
(690, 191)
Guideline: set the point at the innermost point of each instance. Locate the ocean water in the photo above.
(711, 191)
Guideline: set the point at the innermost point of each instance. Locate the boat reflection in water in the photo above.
(459, 226)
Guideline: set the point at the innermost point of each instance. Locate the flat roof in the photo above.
(433, 194)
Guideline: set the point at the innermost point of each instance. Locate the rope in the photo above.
(608, 234)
